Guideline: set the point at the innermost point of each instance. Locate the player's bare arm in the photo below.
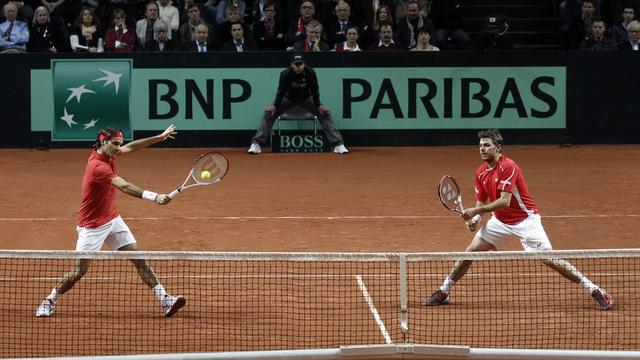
(134, 190)
(472, 224)
(502, 202)
(169, 133)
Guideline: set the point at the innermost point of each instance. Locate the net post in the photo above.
(404, 309)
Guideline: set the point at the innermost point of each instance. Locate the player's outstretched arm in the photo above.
(133, 190)
(169, 133)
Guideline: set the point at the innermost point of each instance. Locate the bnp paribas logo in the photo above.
(89, 95)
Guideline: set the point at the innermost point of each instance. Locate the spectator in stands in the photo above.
(633, 30)
(366, 10)
(447, 18)
(25, 9)
(579, 26)
(119, 37)
(298, 86)
(351, 43)
(45, 36)
(202, 43)
(238, 42)
(407, 33)
(14, 34)
(66, 9)
(222, 6)
(170, 14)
(386, 42)
(188, 29)
(494, 34)
(223, 32)
(337, 24)
(161, 41)
(268, 32)
(619, 31)
(298, 31)
(313, 42)
(144, 27)
(258, 13)
(401, 9)
(210, 8)
(86, 33)
(371, 32)
(598, 40)
(424, 41)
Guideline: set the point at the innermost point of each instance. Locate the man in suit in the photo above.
(313, 40)
(239, 42)
(633, 31)
(202, 43)
(144, 27)
(336, 26)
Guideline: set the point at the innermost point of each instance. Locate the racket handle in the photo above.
(174, 193)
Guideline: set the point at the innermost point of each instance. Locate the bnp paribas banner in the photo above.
(86, 95)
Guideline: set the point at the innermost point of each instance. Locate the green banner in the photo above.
(360, 98)
(89, 95)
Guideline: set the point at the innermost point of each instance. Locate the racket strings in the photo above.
(215, 163)
(450, 194)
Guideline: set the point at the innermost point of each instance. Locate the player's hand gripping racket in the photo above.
(208, 169)
(449, 194)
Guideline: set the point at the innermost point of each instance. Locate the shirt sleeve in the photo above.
(103, 173)
(507, 178)
(280, 91)
(314, 88)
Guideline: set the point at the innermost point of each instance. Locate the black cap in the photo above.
(297, 58)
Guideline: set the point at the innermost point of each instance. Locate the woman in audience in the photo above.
(423, 41)
(119, 37)
(43, 35)
(371, 33)
(352, 33)
(86, 33)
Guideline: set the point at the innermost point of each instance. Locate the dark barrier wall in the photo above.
(601, 103)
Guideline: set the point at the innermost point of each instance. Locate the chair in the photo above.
(297, 114)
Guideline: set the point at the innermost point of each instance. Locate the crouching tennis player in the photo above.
(99, 222)
(501, 190)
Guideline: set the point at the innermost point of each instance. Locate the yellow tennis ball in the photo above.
(205, 175)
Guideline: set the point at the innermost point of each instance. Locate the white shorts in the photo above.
(530, 232)
(115, 234)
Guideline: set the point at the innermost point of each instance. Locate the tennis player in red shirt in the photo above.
(501, 190)
(99, 222)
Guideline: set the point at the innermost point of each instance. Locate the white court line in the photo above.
(373, 309)
(345, 217)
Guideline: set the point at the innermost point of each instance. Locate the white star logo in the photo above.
(90, 124)
(68, 118)
(110, 78)
(77, 93)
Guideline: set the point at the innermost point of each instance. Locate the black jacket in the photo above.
(298, 87)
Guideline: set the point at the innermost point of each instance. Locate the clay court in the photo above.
(372, 200)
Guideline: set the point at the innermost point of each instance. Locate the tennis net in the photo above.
(274, 301)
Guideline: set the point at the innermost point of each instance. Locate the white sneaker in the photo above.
(46, 308)
(340, 149)
(171, 304)
(255, 149)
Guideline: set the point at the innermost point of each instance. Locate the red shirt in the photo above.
(98, 205)
(505, 176)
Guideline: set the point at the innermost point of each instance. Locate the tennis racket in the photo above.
(215, 163)
(449, 194)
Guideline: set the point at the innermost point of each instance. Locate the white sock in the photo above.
(588, 285)
(53, 297)
(160, 292)
(446, 285)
